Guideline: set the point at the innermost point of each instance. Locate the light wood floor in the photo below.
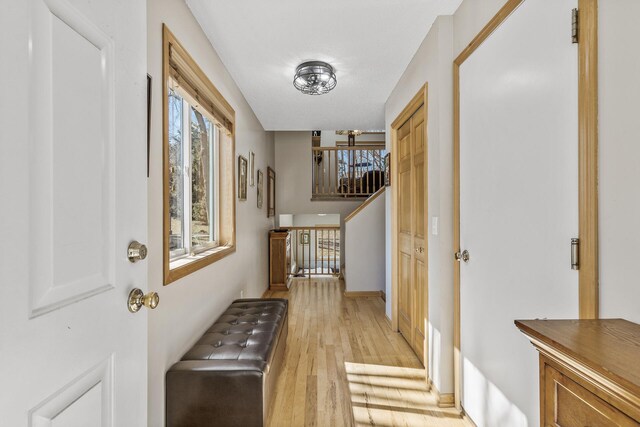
(344, 366)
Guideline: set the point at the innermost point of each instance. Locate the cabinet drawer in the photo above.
(568, 404)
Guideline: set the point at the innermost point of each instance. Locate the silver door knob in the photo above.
(136, 251)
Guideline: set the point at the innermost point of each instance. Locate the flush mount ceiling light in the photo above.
(315, 78)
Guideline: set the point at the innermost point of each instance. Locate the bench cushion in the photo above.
(245, 331)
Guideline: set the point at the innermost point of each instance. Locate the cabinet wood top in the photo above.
(610, 347)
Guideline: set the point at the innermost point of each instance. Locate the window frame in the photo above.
(184, 76)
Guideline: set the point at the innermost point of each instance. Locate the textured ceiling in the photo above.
(369, 42)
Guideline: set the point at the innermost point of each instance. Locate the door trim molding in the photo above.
(419, 100)
(588, 158)
(587, 169)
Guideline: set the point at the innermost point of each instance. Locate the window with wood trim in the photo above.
(199, 153)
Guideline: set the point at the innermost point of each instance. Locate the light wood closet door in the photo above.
(412, 253)
(405, 234)
(419, 208)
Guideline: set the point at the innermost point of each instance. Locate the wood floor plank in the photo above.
(344, 366)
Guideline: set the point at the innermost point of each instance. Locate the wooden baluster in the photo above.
(309, 252)
(322, 251)
(337, 165)
(335, 252)
(350, 171)
(329, 169)
(357, 181)
(355, 171)
(325, 251)
(362, 171)
(322, 169)
(368, 162)
(313, 173)
(379, 166)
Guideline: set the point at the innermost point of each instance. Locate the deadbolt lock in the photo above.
(136, 251)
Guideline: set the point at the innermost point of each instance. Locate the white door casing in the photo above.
(72, 196)
(518, 204)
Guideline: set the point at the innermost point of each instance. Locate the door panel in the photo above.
(72, 200)
(420, 304)
(74, 174)
(419, 245)
(404, 304)
(405, 243)
(518, 204)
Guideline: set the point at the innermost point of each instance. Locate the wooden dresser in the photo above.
(279, 260)
(589, 371)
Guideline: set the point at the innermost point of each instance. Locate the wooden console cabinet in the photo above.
(279, 260)
(589, 371)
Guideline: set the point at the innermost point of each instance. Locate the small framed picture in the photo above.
(271, 192)
(259, 178)
(387, 170)
(252, 168)
(242, 178)
(305, 237)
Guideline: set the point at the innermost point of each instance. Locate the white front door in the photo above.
(518, 204)
(72, 196)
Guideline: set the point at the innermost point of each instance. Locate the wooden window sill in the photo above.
(187, 265)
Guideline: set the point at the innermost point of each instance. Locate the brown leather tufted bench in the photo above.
(228, 377)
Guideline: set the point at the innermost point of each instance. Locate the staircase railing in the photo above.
(346, 172)
(315, 251)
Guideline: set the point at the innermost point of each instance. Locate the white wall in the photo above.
(365, 248)
(432, 64)
(309, 220)
(619, 104)
(188, 306)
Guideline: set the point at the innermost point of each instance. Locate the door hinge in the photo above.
(575, 254)
(575, 27)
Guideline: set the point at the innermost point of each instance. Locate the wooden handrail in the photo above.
(315, 227)
(364, 205)
(350, 148)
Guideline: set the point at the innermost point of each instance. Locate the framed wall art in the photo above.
(259, 185)
(271, 192)
(242, 178)
(252, 168)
